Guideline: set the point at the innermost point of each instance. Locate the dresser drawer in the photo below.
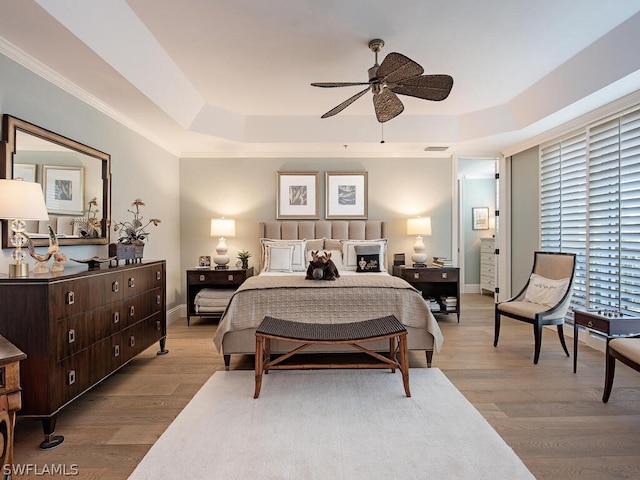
(71, 297)
(216, 277)
(142, 306)
(74, 334)
(9, 377)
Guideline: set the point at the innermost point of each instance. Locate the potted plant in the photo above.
(130, 244)
(244, 256)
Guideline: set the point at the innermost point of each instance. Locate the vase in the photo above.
(245, 262)
(129, 252)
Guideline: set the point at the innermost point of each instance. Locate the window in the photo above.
(590, 205)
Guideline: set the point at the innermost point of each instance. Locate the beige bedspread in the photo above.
(347, 299)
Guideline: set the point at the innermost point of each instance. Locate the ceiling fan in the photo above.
(396, 75)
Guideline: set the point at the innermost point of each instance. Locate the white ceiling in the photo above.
(214, 77)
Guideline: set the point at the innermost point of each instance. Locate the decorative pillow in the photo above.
(349, 257)
(368, 258)
(315, 244)
(279, 258)
(545, 291)
(299, 246)
(332, 244)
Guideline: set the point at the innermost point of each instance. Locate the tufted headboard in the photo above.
(338, 230)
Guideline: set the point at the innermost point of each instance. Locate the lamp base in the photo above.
(222, 267)
(419, 265)
(18, 269)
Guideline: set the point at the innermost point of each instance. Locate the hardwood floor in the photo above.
(553, 419)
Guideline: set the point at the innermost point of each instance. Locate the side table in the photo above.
(439, 283)
(227, 278)
(10, 397)
(610, 326)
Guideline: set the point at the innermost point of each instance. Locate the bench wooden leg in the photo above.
(404, 364)
(259, 365)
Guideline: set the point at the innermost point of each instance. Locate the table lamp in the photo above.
(21, 201)
(222, 227)
(419, 226)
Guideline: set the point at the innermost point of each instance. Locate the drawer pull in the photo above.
(132, 311)
(416, 275)
(71, 377)
(71, 334)
(70, 298)
(132, 282)
(202, 278)
(158, 325)
(158, 275)
(158, 299)
(132, 341)
(590, 324)
(116, 351)
(115, 287)
(230, 277)
(116, 317)
(445, 274)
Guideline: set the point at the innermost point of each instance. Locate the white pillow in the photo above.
(299, 263)
(336, 257)
(545, 291)
(279, 258)
(349, 257)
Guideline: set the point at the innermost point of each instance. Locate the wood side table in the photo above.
(436, 282)
(10, 397)
(227, 278)
(610, 326)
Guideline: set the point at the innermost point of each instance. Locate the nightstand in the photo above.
(10, 397)
(225, 279)
(440, 286)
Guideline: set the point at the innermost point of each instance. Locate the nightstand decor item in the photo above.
(222, 227)
(244, 257)
(21, 201)
(419, 226)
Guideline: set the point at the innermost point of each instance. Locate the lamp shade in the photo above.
(419, 226)
(222, 227)
(22, 200)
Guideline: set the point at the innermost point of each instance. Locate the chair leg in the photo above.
(610, 370)
(537, 333)
(561, 335)
(497, 329)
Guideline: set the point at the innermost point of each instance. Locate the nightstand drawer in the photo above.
(430, 275)
(216, 277)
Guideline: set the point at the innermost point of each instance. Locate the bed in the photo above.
(281, 290)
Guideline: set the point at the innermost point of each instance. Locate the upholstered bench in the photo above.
(625, 349)
(351, 334)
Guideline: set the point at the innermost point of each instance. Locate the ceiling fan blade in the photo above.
(337, 84)
(428, 87)
(345, 104)
(387, 105)
(396, 67)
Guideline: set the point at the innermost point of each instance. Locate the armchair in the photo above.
(544, 300)
(627, 350)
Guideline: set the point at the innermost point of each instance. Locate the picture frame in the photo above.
(480, 218)
(25, 171)
(298, 195)
(63, 189)
(204, 262)
(347, 195)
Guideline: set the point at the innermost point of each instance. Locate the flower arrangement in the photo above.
(134, 231)
(89, 225)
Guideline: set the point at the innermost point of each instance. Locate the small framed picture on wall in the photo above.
(297, 195)
(346, 195)
(480, 218)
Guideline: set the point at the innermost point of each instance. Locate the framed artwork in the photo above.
(347, 195)
(25, 171)
(480, 218)
(297, 195)
(204, 261)
(63, 189)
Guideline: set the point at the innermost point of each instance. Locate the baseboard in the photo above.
(175, 313)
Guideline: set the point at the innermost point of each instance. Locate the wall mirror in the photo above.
(75, 178)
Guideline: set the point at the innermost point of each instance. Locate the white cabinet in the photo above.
(487, 265)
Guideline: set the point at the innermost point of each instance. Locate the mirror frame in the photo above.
(10, 125)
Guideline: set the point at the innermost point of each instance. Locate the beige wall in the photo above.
(245, 189)
(525, 215)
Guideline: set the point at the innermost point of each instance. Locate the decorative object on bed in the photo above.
(298, 195)
(368, 258)
(350, 257)
(283, 255)
(419, 226)
(244, 257)
(20, 201)
(346, 195)
(321, 267)
(222, 227)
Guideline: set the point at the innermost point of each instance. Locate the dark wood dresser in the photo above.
(77, 328)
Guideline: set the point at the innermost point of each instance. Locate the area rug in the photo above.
(330, 424)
